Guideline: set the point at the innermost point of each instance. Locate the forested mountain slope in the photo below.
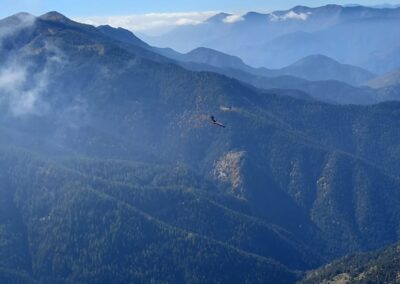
(111, 168)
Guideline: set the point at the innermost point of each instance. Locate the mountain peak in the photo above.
(23, 15)
(317, 56)
(300, 8)
(210, 51)
(315, 61)
(253, 15)
(330, 8)
(19, 18)
(321, 67)
(218, 17)
(200, 49)
(214, 58)
(55, 16)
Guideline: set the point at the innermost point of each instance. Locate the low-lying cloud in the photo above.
(291, 15)
(21, 88)
(151, 23)
(233, 19)
(20, 21)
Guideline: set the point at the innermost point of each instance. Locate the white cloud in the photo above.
(233, 19)
(21, 21)
(11, 78)
(14, 90)
(151, 23)
(187, 21)
(295, 16)
(21, 89)
(291, 15)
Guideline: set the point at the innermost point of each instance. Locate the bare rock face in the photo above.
(228, 169)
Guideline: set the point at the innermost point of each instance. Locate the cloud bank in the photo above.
(151, 23)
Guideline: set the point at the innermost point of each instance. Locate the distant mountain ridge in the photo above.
(328, 89)
(319, 67)
(123, 35)
(335, 31)
(314, 67)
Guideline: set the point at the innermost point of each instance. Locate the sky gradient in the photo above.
(81, 8)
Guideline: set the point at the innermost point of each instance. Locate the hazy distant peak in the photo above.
(300, 8)
(201, 49)
(321, 67)
(214, 58)
(352, 5)
(19, 18)
(318, 60)
(209, 51)
(254, 15)
(218, 17)
(332, 7)
(313, 57)
(23, 15)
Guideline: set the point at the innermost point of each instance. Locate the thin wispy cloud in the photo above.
(21, 89)
(151, 23)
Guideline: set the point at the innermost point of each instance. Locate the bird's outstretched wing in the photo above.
(219, 124)
(214, 121)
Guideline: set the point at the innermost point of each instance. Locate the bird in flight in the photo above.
(215, 122)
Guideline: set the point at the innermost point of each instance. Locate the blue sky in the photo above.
(81, 8)
(154, 17)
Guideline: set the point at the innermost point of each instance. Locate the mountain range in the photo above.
(112, 171)
(352, 35)
(335, 82)
(315, 67)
